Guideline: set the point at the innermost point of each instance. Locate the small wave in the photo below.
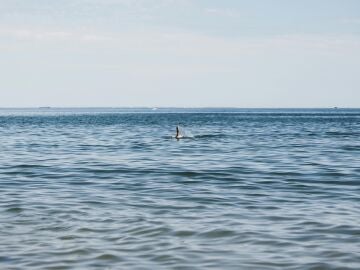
(220, 135)
(182, 138)
(341, 133)
(184, 233)
(107, 257)
(351, 147)
(201, 136)
(218, 233)
(26, 166)
(15, 210)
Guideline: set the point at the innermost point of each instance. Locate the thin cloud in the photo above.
(350, 20)
(223, 12)
(30, 34)
(183, 42)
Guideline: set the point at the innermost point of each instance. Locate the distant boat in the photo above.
(44, 107)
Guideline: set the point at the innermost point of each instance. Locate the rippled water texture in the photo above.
(111, 189)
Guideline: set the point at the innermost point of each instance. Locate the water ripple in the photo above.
(83, 189)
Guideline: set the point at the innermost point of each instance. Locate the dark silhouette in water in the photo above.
(177, 136)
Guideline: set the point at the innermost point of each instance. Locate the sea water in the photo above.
(111, 188)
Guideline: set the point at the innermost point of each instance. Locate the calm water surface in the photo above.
(111, 189)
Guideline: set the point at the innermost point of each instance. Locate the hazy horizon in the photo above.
(171, 107)
(172, 53)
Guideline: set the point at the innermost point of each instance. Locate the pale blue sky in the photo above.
(254, 53)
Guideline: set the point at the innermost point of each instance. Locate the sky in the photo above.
(180, 53)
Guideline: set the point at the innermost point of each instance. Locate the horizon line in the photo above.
(169, 107)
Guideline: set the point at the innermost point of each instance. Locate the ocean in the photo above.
(111, 188)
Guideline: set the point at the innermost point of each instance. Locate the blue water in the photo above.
(111, 188)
